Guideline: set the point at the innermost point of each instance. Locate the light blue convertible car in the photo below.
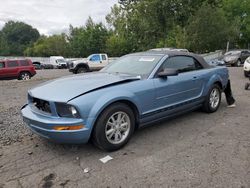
(135, 90)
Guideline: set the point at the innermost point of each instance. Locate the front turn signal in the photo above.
(68, 128)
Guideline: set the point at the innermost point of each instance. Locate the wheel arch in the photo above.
(215, 79)
(219, 84)
(128, 102)
(23, 71)
(84, 65)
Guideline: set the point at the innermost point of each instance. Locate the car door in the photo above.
(12, 68)
(2, 69)
(187, 86)
(95, 58)
(95, 62)
(104, 59)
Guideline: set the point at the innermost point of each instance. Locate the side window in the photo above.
(12, 64)
(24, 63)
(104, 57)
(2, 65)
(95, 58)
(182, 64)
(245, 52)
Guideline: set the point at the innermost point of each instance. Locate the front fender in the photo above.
(82, 65)
(104, 101)
(91, 105)
(111, 97)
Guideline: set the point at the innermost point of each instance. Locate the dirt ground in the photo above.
(193, 150)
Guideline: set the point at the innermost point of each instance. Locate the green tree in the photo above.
(88, 39)
(117, 46)
(177, 37)
(4, 48)
(150, 23)
(49, 46)
(19, 36)
(209, 30)
(239, 10)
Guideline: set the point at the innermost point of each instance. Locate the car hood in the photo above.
(66, 88)
(230, 57)
(84, 60)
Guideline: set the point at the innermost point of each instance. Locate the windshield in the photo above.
(60, 61)
(141, 65)
(233, 53)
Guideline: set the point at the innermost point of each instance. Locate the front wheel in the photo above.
(24, 76)
(81, 70)
(114, 127)
(213, 99)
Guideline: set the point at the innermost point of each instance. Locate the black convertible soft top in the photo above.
(172, 53)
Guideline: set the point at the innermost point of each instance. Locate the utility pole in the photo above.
(227, 46)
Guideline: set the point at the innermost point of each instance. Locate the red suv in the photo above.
(21, 69)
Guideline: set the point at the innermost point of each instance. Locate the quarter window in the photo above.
(2, 65)
(182, 64)
(12, 64)
(24, 63)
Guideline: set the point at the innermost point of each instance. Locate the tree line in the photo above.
(138, 25)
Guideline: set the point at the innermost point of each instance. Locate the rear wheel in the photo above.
(247, 85)
(24, 76)
(237, 63)
(114, 127)
(246, 74)
(81, 70)
(213, 99)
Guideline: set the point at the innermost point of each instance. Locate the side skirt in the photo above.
(156, 118)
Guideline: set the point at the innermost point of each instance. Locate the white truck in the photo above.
(94, 62)
(58, 62)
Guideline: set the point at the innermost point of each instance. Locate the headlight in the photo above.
(66, 110)
(248, 60)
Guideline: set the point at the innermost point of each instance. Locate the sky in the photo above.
(54, 16)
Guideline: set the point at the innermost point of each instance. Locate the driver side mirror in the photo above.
(168, 72)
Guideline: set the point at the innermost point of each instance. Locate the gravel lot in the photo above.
(193, 150)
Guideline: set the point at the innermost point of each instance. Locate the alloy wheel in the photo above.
(25, 76)
(214, 99)
(117, 127)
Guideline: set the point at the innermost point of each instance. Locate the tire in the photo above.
(81, 70)
(107, 134)
(246, 74)
(237, 63)
(24, 76)
(247, 86)
(212, 101)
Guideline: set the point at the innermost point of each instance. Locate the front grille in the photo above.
(42, 105)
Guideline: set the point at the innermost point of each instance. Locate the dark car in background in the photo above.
(236, 57)
(20, 69)
(37, 65)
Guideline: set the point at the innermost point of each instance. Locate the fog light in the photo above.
(68, 128)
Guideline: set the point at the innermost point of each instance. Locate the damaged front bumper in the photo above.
(44, 125)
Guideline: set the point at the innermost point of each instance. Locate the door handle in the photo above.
(195, 78)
